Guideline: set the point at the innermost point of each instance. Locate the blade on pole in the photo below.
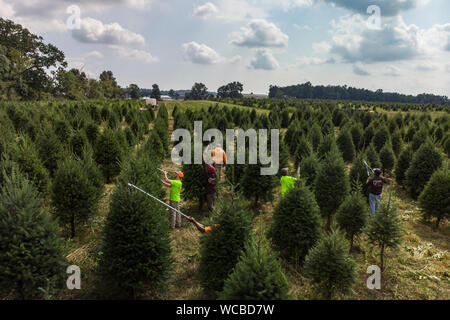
(155, 198)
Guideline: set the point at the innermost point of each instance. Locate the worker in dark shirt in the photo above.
(375, 186)
(210, 173)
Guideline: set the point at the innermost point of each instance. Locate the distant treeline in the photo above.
(308, 91)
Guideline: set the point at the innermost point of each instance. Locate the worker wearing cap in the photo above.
(175, 197)
(375, 185)
(286, 181)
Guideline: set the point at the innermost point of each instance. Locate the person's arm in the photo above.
(165, 178)
(166, 184)
(224, 158)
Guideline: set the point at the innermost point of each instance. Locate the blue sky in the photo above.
(258, 42)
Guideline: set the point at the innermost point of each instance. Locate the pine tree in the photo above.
(435, 197)
(194, 182)
(74, 196)
(31, 165)
(108, 155)
(387, 158)
(315, 136)
(424, 163)
(284, 156)
(446, 146)
(345, 144)
(352, 215)
(309, 168)
(385, 228)
(358, 173)
(50, 150)
(296, 224)
(357, 133)
(380, 138)
(397, 142)
(328, 145)
(332, 185)
(136, 253)
(257, 276)
(303, 150)
(372, 157)
(31, 256)
(403, 163)
(77, 143)
(330, 267)
(419, 139)
(222, 247)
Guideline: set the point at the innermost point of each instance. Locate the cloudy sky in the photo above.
(395, 45)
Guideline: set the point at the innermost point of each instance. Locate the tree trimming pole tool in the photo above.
(367, 168)
(162, 202)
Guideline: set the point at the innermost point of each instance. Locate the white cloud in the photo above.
(205, 11)
(94, 31)
(134, 54)
(200, 53)
(6, 10)
(391, 71)
(265, 60)
(235, 59)
(239, 10)
(94, 54)
(426, 66)
(437, 37)
(312, 61)
(259, 33)
(354, 40)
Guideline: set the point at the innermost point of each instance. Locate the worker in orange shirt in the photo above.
(219, 157)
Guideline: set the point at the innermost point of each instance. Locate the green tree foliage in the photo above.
(309, 168)
(222, 247)
(426, 160)
(134, 91)
(315, 136)
(397, 142)
(372, 157)
(357, 133)
(108, 155)
(380, 138)
(387, 158)
(352, 215)
(345, 144)
(232, 90)
(74, 196)
(328, 145)
(257, 276)
(136, 253)
(31, 165)
(419, 139)
(296, 224)
(198, 92)
(403, 163)
(330, 267)
(303, 150)
(332, 185)
(434, 199)
(358, 173)
(78, 142)
(256, 186)
(50, 150)
(31, 256)
(385, 229)
(156, 93)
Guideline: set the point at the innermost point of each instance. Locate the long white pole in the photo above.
(155, 198)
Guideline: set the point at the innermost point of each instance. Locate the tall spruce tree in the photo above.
(221, 248)
(257, 276)
(309, 168)
(435, 197)
(387, 158)
(352, 215)
(328, 145)
(385, 229)
(403, 163)
(372, 157)
(108, 154)
(358, 173)
(380, 138)
(332, 185)
(74, 196)
(346, 146)
(31, 255)
(424, 163)
(330, 267)
(303, 150)
(296, 224)
(136, 253)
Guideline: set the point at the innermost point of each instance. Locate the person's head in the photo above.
(284, 171)
(377, 172)
(180, 175)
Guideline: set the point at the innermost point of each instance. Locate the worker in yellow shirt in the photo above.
(175, 197)
(286, 181)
